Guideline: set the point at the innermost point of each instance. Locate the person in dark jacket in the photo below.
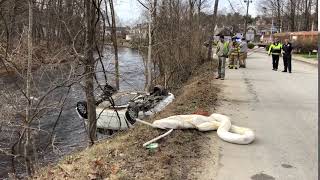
(287, 53)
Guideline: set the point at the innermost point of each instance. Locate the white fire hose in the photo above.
(219, 122)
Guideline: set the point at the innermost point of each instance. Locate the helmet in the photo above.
(234, 38)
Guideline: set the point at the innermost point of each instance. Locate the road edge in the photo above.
(314, 63)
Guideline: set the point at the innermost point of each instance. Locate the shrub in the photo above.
(250, 46)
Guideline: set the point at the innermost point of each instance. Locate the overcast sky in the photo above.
(129, 11)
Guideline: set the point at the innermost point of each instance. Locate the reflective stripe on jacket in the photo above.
(275, 49)
(234, 49)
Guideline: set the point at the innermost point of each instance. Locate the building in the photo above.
(121, 31)
(264, 26)
(139, 31)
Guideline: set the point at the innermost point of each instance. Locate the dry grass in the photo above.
(123, 157)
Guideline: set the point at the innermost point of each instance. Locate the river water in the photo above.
(70, 134)
(131, 69)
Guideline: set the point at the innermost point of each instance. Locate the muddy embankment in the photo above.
(178, 156)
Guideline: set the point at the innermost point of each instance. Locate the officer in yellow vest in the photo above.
(275, 49)
(234, 54)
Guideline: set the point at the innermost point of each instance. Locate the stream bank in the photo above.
(69, 135)
(179, 155)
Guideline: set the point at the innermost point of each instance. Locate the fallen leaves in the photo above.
(98, 162)
(115, 169)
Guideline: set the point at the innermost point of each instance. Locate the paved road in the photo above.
(282, 110)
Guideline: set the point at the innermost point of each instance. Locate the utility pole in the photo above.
(271, 26)
(271, 29)
(246, 20)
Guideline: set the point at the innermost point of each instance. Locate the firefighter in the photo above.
(275, 50)
(222, 53)
(243, 53)
(234, 53)
(287, 52)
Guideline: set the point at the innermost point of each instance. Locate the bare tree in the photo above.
(114, 42)
(149, 5)
(66, 34)
(89, 69)
(29, 168)
(214, 22)
(292, 15)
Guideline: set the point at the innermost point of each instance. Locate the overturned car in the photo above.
(120, 116)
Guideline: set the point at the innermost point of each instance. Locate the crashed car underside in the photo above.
(112, 116)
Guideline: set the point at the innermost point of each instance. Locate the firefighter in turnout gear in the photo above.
(234, 54)
(275, 51)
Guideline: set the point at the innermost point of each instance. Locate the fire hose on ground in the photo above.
(225, 130)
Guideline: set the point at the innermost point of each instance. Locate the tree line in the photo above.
(291, 15)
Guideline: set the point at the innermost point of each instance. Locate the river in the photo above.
(70, 134)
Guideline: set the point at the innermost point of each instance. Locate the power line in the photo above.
(232, 7)
(242, 4)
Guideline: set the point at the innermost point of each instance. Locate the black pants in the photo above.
(287, 62)
(275, 61)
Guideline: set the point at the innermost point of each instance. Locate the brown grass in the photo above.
(123, 157)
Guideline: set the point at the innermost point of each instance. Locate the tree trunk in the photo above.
(199, 37)
(215, 11)
(114, 42)
(13, 29)
(154, 25)
(307, 12)
(148, 63)
(317, 16)
(191, 8)
(246, 21)
(292, 15)
(68, 20)
(279, 15)
(89, 71)
(27, 155)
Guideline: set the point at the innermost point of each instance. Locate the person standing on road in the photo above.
(275, 50)
(234, 53)
(222, 53)
(243, 53)
(287, 53)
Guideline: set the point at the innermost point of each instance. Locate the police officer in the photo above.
(275, 50)
(287, 52)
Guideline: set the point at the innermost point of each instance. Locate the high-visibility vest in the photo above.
(225, 48)
(275, 49)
